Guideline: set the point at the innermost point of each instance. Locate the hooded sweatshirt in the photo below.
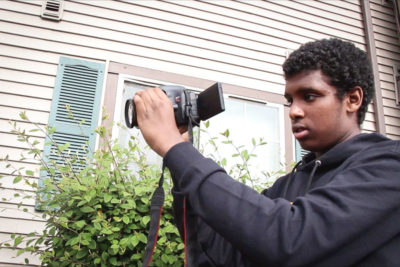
(342, 209)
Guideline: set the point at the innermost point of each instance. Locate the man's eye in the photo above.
(289, 101)
(309, 97)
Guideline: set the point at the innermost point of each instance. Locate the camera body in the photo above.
(189, 107)
(184, 103)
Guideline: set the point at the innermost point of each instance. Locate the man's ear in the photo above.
(354, 99)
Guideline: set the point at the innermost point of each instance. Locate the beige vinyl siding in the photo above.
(242, 43)
(388, 51)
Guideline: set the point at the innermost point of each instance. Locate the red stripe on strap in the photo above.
(155, 240)
(184, 229)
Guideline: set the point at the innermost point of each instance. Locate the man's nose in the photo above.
(295, 111)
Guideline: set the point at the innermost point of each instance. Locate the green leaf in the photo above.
(142, 238)
(136, 256)
(87, 209)
(36, 142)
(226, 133)
(126, 206)
(80, 224)
(126, 219)
(52, 130)
(18, 240)
(97, 226)
(81, 253)
(87, 197)
(115, 229)
(164, 258)
(245, 155)
(224, 162)
(104, 256)
(115, 201)
(124, 241)
(23, 116)
(81, 203)
(73, 241)
(134, 241)
(17, 179)
(145, 220)
(63, 147)
(106, 231)
(107, 198)
(113, 261)
(92, 244)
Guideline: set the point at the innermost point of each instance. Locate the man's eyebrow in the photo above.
(306, 89)
(303, 90)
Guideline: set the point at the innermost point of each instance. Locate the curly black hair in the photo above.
(342, 62)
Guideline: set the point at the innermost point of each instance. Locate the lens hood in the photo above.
(130, 114)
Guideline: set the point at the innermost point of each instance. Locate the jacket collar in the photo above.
(340, 152)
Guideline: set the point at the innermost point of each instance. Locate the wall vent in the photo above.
(52, 9)
(396, 76)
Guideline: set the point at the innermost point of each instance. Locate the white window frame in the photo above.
(122, 78)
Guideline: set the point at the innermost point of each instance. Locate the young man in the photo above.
(339, 207)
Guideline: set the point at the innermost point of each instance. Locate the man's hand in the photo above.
(156, 120)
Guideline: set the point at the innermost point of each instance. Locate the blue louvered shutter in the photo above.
(78, 85)
(300, 152)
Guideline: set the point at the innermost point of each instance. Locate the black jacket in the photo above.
(342, 209)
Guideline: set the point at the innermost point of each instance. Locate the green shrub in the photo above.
(98, 215)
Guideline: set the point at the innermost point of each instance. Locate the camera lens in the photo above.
(130, 114)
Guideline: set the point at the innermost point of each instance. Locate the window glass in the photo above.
(246, 120)
(123, 134)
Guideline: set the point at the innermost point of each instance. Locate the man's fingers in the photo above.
(183, 129)
(150, 102)
(160, 93)
(152, 97)
(146, 99)
(139, 103)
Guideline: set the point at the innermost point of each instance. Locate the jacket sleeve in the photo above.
(331, 224)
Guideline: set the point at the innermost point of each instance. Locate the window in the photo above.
(245, 119)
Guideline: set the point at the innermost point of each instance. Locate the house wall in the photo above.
(241, 43)
(388, 54)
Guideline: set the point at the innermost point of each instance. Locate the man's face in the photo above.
(319, 118)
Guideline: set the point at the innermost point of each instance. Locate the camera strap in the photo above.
(156, 207)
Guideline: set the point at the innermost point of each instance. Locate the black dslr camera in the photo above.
(189, 107)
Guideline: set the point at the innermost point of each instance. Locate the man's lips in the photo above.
(300, 131)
